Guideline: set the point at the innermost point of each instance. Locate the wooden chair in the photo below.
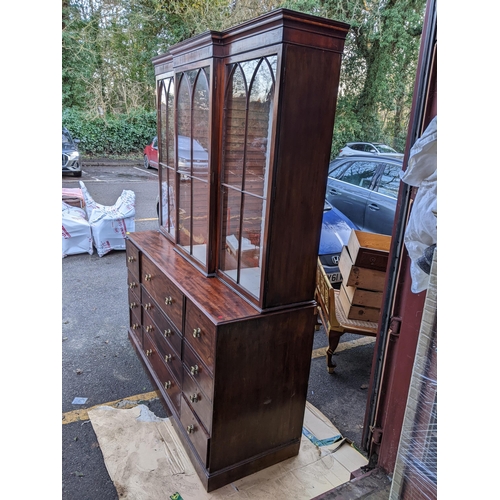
(333, 318)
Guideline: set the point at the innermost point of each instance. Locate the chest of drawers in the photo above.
(233, 380)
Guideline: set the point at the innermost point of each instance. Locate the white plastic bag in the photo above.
(110, 224)
(421, 231)
(76, 231)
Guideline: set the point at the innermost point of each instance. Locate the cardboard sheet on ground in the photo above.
(146, 460)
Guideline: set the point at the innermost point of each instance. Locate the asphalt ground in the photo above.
(99, 365)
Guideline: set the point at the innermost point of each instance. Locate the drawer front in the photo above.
(195, 431)
(199, 402)
(132, 256)
(168, 355)
(198, 371)
(165, 327)
(136, 330)
(163, 291)
(134, 306)
(134, 287)
(168, 383)
(200, 334)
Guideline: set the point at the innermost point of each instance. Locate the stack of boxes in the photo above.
(363, 264)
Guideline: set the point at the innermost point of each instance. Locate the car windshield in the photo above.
(385, 149)
(66, 140)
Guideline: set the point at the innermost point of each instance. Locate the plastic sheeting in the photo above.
(421, 231)
(110, 224)
(76, 232)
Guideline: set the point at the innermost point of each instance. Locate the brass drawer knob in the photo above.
(194, 397)
(168, 384)
(167, 333)
(197, 332)
(147, 306)
(150, 328)
(131, 259)
(194, 370)
(132, 285)
(135, 326)
(149, 352)
(147, 277)
(168, 301)
(190, 429)
(132, 305)
(168, 358)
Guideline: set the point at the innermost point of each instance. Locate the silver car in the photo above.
(365, 189)
(71, 161)
(369, 148)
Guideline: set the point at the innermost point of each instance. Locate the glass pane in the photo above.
(199, 221)
(234, 133)
(170, 126)
(360, 173)
(185, 220)
(389, 181)
(200, 120)
(163, 112)
(184, 126)
(167, 204)
(251, 241)
(231, 202)
(258, 131)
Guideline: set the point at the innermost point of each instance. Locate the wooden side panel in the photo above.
(262, 370)
(304, 138)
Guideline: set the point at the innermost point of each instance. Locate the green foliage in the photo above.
(118, 134)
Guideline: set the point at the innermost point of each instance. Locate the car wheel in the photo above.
(146, 162)
(78, 174)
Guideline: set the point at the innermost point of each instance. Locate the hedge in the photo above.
(112, 134)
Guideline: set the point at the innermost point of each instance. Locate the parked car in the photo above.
(369, 148)
(365, 189)
(335, 231)
(71, 161)
(151, 154)
(200, 155)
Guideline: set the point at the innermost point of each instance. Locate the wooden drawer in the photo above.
(197, 369)
(136, 331)
(163, 291)
(199, 402)
(200, 334)
(195, 431)
(133, 285)
(132, 255)
(165, 327)
(167, 353)
(166, 381)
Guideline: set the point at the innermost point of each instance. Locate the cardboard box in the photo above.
(368, 279)
(361, 313)
(369, 250)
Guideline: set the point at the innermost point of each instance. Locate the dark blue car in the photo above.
(335, 231)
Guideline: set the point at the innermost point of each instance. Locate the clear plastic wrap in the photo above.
(421, 231)
(110, 224)
(76, 232)
(415, 473)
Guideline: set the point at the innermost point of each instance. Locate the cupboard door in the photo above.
(249, 104)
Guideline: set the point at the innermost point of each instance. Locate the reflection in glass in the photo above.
(193, 112)
(247, 130)
(166, 159)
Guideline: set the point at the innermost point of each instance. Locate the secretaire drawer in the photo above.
(200, 334)
(165, 293)
(198, 371)
(167, 381)
(195, 431)
(132, 256)
(165, 327)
